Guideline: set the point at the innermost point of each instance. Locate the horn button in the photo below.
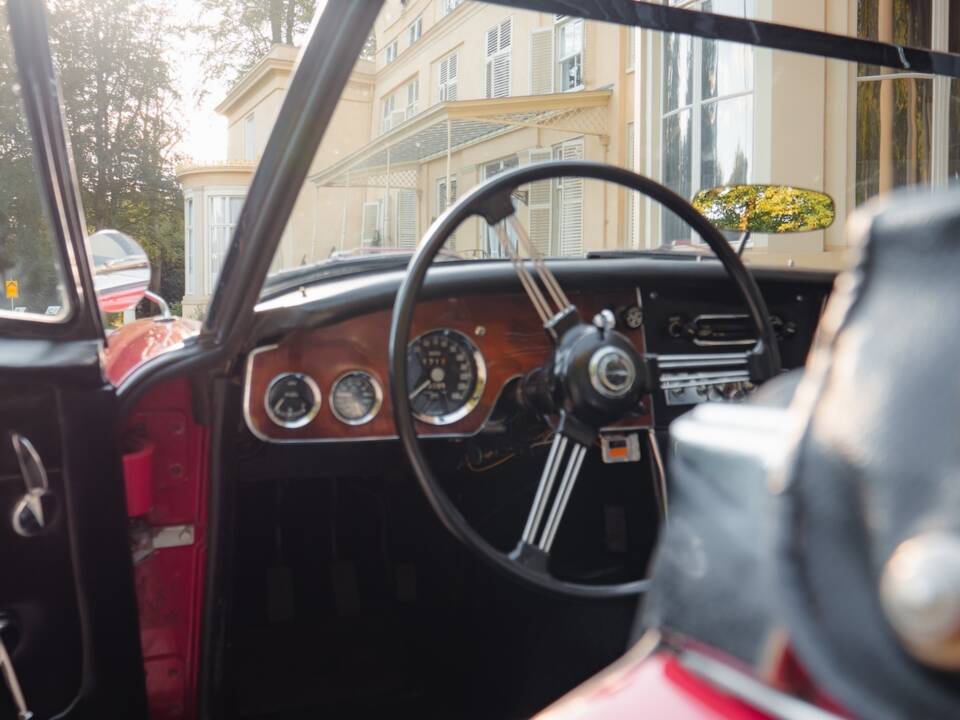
(598, 374)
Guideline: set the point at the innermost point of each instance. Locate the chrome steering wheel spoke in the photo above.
(540, 531)
(546, 296)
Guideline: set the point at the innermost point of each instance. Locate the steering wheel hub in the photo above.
(597, 374)
(612, 372)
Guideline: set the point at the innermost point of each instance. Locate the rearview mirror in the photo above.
(121, 270)
(765, 208)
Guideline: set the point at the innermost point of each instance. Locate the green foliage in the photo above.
(765, 208)
(236, 34)
(119, 103)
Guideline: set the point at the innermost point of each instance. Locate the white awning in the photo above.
(394, 158)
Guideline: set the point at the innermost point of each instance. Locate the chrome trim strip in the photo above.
(705, 360)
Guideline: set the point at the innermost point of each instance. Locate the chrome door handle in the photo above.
(10, 679)
(31, 515)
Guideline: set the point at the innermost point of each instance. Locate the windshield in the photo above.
(447, 94)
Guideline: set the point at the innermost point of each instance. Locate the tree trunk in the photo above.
(291, 18)
(276, 21)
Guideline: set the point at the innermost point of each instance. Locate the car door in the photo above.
(68, 616)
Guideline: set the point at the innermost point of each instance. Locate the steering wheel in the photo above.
(593, 376)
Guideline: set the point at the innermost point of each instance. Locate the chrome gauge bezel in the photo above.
(377, 395)
(306, 419)
(471, 403)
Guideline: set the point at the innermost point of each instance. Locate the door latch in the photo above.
(10, 678)
(32, 513)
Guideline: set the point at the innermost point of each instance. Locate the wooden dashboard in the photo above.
(504, 328)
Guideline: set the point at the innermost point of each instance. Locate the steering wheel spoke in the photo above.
(543, 289)
(550, 500)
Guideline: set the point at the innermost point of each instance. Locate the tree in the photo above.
(119, 104)
(238, 33)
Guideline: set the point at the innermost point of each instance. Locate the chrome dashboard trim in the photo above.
(248, 421)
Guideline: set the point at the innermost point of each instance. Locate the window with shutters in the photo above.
(568, 220)
(569, 64)
(415, 30)
(633, 35)
(371, 230)
(492, 248)
(390, 53)
(497, 41)
(447, 73)
(407, 219)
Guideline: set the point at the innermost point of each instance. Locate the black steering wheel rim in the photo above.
(491, 200)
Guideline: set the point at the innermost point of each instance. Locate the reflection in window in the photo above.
(30, 270)
(907, 123)
(707, 112)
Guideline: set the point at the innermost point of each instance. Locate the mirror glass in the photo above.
(765, 208)
(121, 270)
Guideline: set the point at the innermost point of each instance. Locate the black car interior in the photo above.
(345, 594)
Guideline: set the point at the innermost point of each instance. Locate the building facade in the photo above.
(458, 92)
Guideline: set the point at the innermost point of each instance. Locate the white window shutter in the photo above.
(498, 76)
(370, 231)
(407, 219)
(571, 200)
(442, 77)
(541, 61)
(447, 78)
(540, 205)
(492, 41)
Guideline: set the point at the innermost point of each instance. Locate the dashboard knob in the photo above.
(605, 320)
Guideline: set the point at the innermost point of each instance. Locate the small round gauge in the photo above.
(356, 397)
(292, 400)
(445, 376)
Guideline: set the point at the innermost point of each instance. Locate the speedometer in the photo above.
(445, 376)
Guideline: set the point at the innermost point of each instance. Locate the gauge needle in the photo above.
(420, 388)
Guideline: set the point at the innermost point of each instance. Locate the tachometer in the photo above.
(356, 397)
(292, 400)
(445, 376)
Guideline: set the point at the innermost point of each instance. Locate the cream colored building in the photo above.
(460, 91)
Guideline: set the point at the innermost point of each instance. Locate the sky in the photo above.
(205, 138)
